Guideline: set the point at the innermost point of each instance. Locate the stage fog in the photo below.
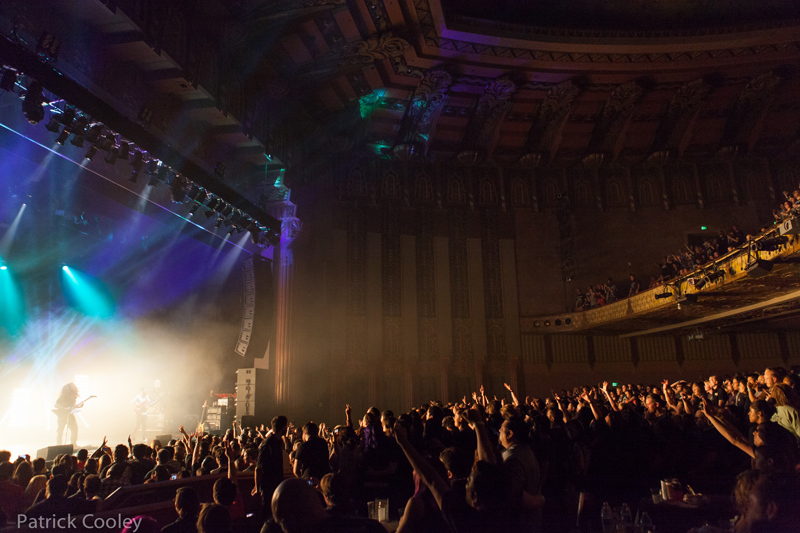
(113, 294)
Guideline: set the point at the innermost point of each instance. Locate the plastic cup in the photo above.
(656, 495)
(383, 510)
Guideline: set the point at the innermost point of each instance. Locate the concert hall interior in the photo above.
(305, 204)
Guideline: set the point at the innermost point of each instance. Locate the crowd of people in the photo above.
(677, 264)
(479, 464)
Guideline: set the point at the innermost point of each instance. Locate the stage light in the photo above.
(152, 166)
(94, 133)
(153, 180)
(136, 166)
(124, 149)
(178, 188)
(32, 103)
(703, 228)
(48, 46)
(163, 170)
(90, 153)
(111, 158)
(54, 125)
(212, 204)
(228, 222)
(221, 206)
(663, 295)
(79, 129)
(255, 232)
(68, 116)
(87, 294)
(714, 276)
(698, 282)
(62, 139)
(771, 245)
(3, 267)
(193, 210)
(218, 223)
(9, 80)
(228, 211)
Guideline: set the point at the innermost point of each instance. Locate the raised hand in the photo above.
(483, 391)
(474, 417)
(605, 386)
(507, 386)
(665, 383)
(347, 409)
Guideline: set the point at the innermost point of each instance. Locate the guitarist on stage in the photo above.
(140, 404)
(66, 402)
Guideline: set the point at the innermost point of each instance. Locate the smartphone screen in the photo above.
(174, 476)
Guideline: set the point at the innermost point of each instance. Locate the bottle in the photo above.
(625, 520)
(645, 523)
(607, 519)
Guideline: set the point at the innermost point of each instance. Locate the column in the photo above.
(283, 273)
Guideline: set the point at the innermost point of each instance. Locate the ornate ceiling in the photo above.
(307, 81)
(410, 77)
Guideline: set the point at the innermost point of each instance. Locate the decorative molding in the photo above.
(429, 30)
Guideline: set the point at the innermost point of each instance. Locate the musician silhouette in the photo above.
(140, 404)
(66, 402)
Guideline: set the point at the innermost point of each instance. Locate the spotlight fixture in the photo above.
(124, 149)
(3, 267)
(163, 170)
(221, 206)
(711, 277)
(212, 204)
(9, 80)
(91, 152)
(32, 103)
(77, 140)
(68, 116)
(218, 223)
(136, 166)
(228, 211)
(698, 283)
(153, 180)
(178, 188)
(62, 139)
(152, 166)
(94, 133)
(106, 143)
(113, 153)
(771, 245)
(48, 46)
(194, 209)
(663, 295)
(53, 125)
(79, 129)
(255, 232)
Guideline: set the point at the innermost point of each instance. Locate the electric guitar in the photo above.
(140, 408)
(71, 410)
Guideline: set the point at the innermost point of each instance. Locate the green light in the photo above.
(12, 304)
(87, 294)
(703, 228)
(614, 384)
